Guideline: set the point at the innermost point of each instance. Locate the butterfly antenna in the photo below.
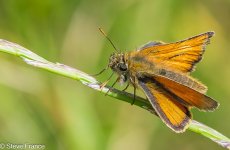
(108, 39)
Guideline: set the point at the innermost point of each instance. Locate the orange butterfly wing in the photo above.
(185, 88)
(181, 56)
(188, 95)
(174, 115)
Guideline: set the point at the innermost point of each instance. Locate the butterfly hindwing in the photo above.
(187, 90)
(174, 114)
(150, 44)
(188, 95)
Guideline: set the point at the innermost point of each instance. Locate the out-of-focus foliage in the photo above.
(42, 108)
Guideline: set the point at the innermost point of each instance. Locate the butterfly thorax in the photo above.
(127, 66)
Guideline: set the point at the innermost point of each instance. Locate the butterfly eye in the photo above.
(122, 67)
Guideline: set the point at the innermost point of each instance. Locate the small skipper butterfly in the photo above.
(162, 72)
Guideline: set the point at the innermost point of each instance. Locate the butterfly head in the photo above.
(119, 65)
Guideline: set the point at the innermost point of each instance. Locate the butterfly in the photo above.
(162, 71)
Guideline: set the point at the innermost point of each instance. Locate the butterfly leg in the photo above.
(104, 83)
(134, 92)
(112, 86)
(134, 95)
(126, 87)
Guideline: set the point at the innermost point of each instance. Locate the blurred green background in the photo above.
(44, 108)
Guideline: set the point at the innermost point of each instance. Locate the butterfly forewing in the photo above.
(181, 56)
